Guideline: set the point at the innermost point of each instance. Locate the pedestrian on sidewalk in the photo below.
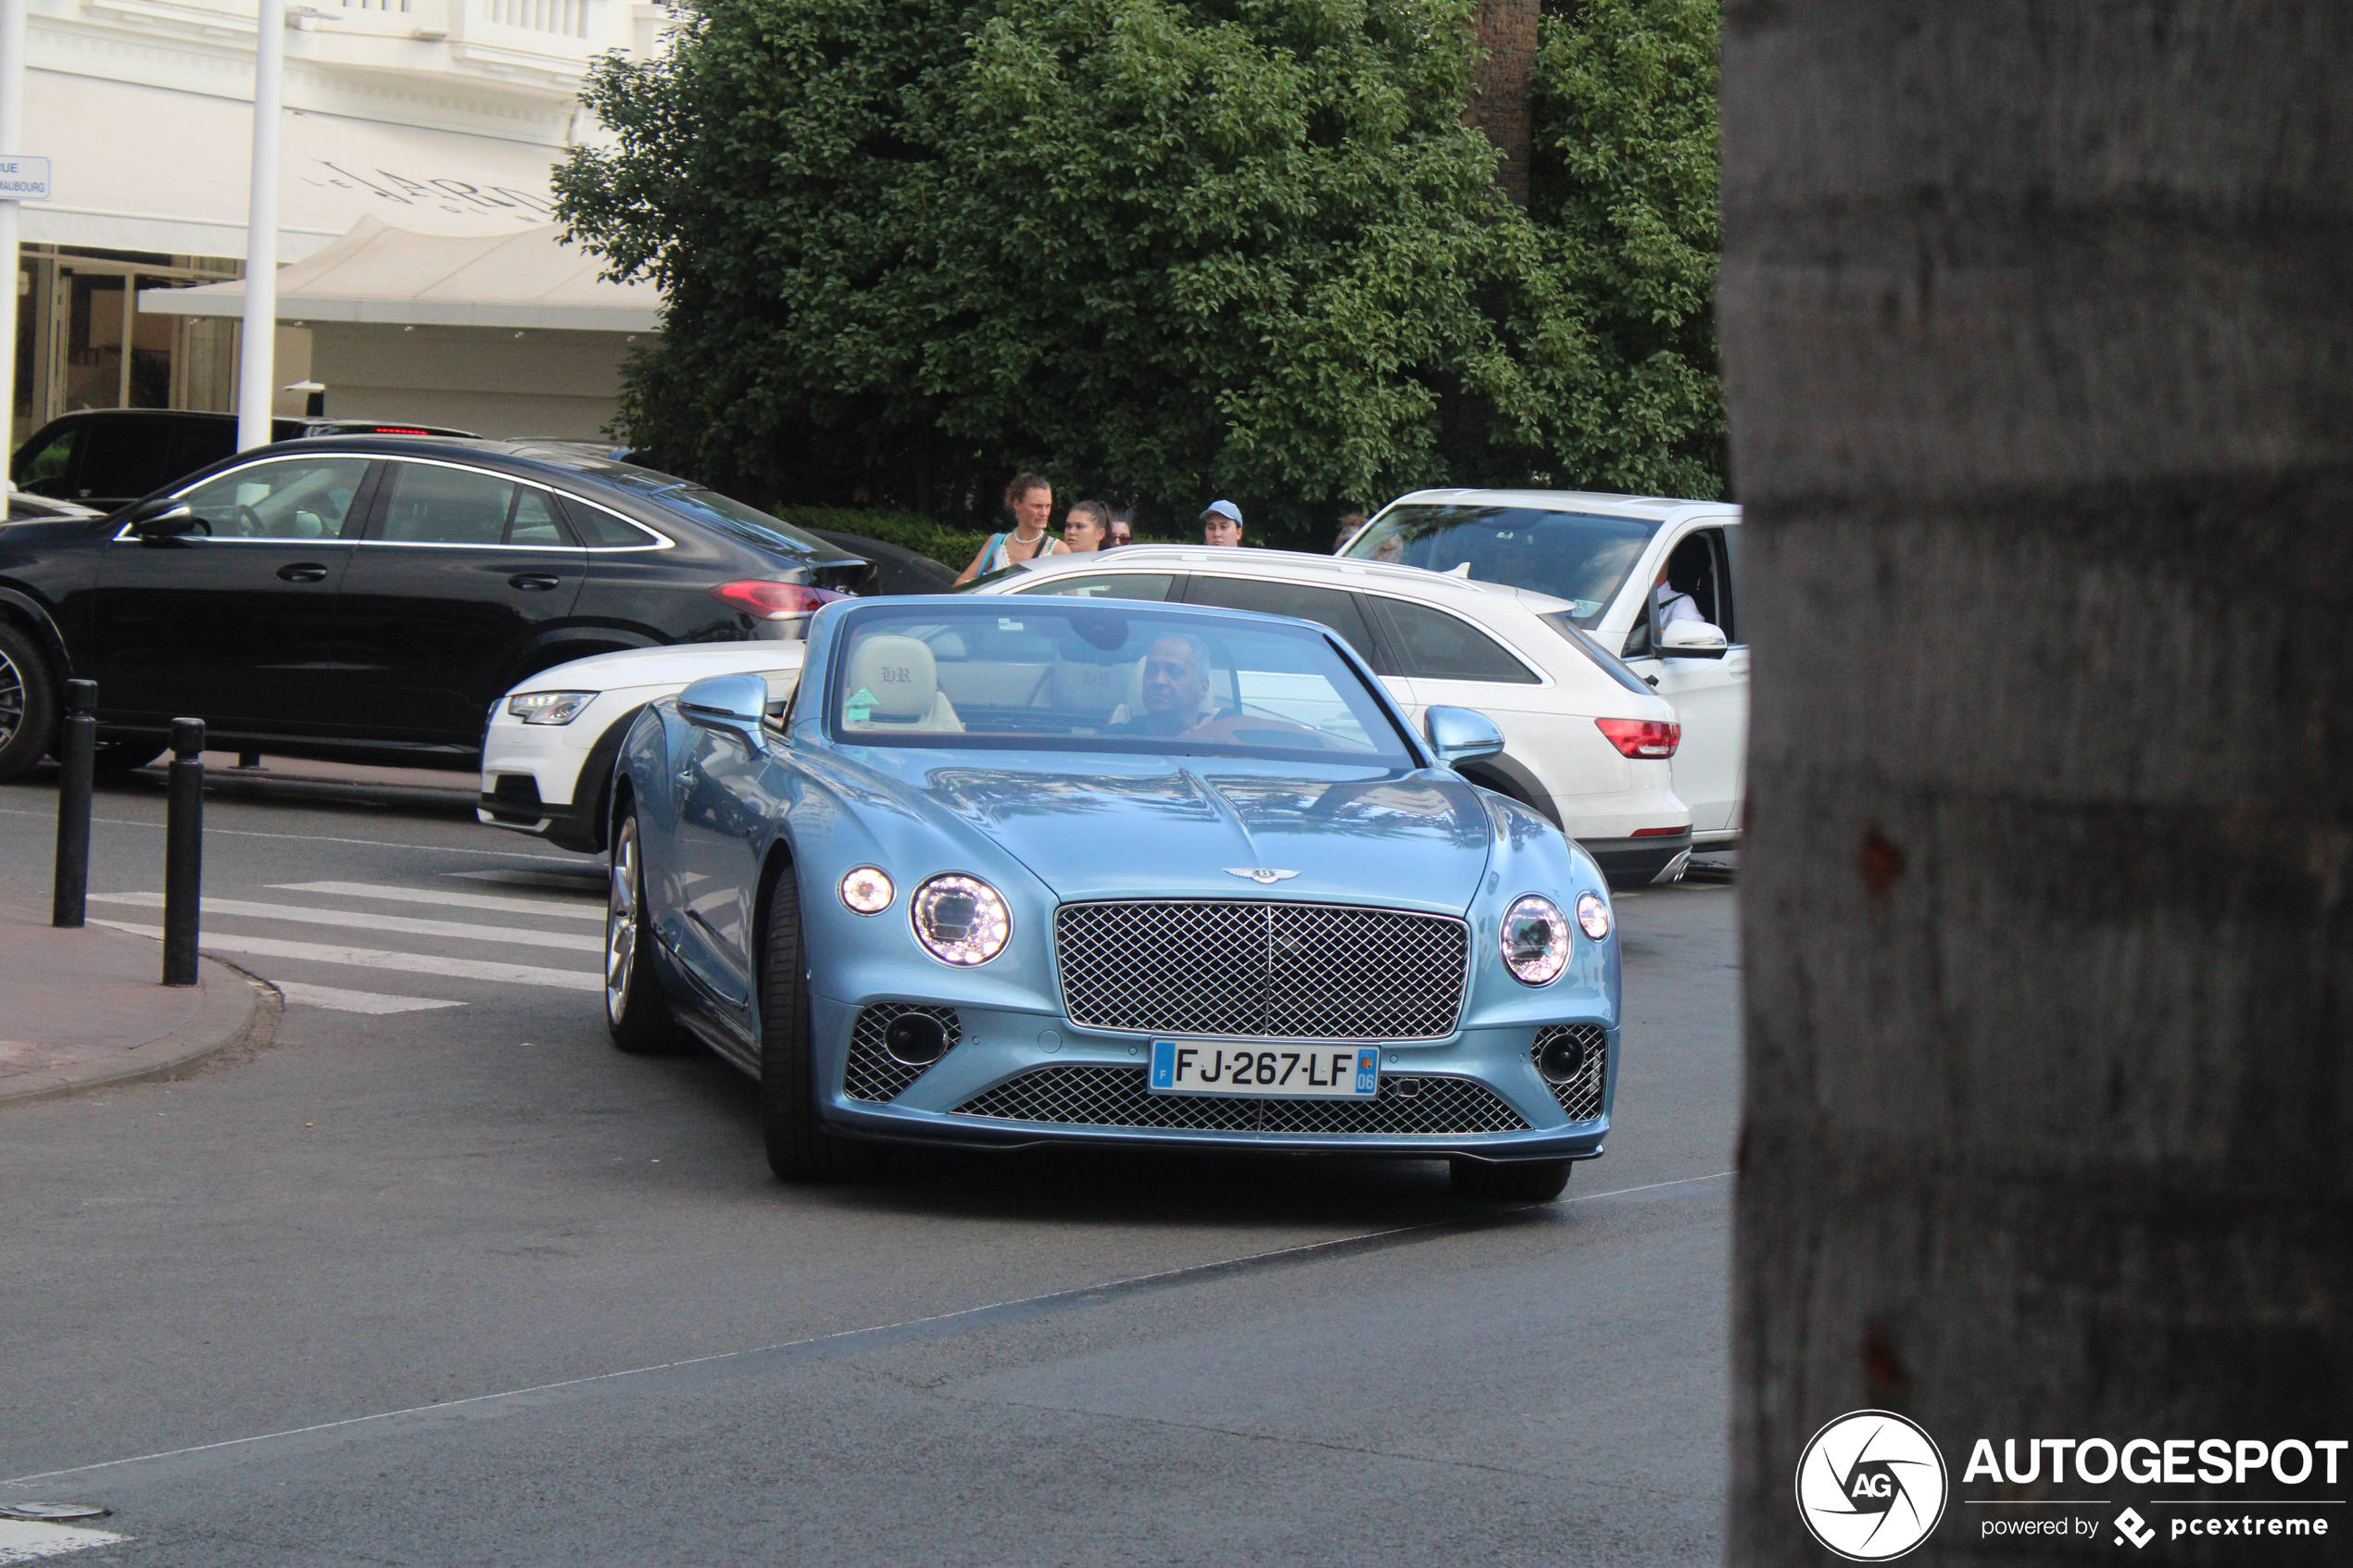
(1029, 500)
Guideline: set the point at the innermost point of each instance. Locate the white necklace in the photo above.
(1021, 538)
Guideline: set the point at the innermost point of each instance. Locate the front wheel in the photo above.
(28, 703)
(799, 1150)
(1530, 1181)
(635, 1011)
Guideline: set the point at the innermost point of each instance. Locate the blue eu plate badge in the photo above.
(1195, 1067)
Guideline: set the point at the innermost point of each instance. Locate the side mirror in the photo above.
(1691, 639)
(167, 520)
(731, 701)
(1462, 735)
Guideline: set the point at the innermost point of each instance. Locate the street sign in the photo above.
(23, 179)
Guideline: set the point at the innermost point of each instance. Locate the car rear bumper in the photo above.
(1636, 862)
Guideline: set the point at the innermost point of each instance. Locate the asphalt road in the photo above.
(460, 1284)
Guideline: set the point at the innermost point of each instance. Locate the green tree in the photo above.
(1169, 248)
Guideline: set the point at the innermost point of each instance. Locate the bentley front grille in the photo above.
(1580, 1093)
(1261, 970)
(872, 1071)
(1082, 1095)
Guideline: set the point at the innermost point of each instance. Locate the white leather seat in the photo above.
(894, 687)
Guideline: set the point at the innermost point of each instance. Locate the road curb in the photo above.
(239, 1010)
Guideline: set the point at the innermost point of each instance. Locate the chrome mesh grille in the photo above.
(1077, 1094)
(1261, 970)
(1581, 1095)
(872, 1071)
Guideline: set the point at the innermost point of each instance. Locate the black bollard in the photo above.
(77, 753)
(183, 853)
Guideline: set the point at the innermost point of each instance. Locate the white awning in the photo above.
(379, 273)
(144, 167)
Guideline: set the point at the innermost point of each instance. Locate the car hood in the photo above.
(675, 665)
(1188, 827)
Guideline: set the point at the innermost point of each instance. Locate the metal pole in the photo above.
(77, 754)
(257, 341)
(183, 853)
(11, 140)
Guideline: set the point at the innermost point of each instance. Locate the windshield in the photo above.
(1064, 675)
(1579, 556)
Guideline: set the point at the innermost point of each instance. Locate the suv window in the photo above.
(125, 458)
(295, 500)
(432, 505)
(1438, 646)
(1325, 606)
(601, 529)
(199, 443)
(44, 470)
(1150, 585)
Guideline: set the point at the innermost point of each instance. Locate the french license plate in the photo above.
(1289, 1073)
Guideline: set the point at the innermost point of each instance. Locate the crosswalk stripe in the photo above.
(582, 911)
(341, 1000)
(376, 958)
(368, 920)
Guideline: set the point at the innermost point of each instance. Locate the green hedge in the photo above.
(951, 547)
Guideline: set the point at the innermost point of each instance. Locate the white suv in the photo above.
(1586, 742)
(548, 755)
(1603, 554)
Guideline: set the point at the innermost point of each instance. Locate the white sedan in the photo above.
(547, 758)
(1586, 742)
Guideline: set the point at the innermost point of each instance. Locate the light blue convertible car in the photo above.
(1012, 872)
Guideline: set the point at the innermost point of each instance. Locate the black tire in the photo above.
(1530, 1181)
(637, 1013)
(28, 703)
(121, 756)
(799, 1150)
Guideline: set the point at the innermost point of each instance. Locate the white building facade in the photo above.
(441, 118)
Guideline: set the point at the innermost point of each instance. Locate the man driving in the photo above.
(1176, 687)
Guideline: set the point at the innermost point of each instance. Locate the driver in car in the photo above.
(1175, 688)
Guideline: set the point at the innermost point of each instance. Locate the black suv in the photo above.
(109, 457)
(369, 598)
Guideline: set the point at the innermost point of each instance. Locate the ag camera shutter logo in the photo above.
(1871, 1485)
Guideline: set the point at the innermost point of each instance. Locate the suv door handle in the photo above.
(303, 571)
(533, 581)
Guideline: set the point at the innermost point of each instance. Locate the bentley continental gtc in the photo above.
(1011, 873)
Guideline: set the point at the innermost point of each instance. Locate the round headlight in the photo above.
(1593, 915)
(961, 920)
(1535, 941)
(868, 890)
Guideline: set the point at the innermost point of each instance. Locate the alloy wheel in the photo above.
(12, 697)
(621, 922)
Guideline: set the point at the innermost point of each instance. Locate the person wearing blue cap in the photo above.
(1221, 524)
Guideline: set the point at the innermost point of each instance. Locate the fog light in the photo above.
(1563, 1058)
(915, 1039)
(867, 890)
(1593, 915)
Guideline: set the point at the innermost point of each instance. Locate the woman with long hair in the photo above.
(1030, 501)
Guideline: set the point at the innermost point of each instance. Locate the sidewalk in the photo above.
(82, 1009)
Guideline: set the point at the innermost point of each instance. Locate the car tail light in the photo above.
(1675, 832)
(396, 429)
(1643, 738)
(774, 601)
